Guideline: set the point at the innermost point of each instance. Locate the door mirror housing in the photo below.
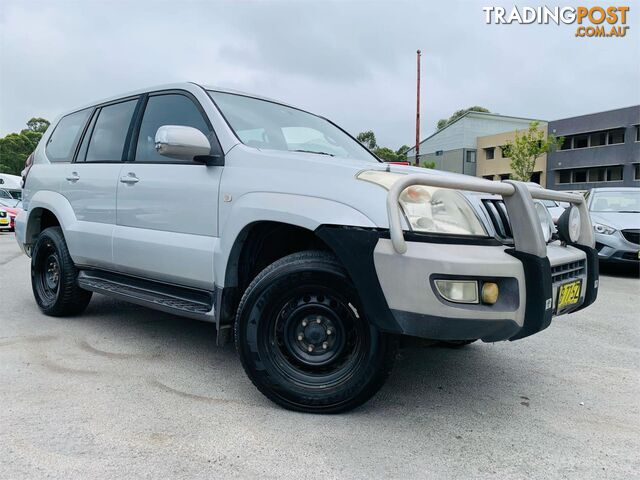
(183, 143)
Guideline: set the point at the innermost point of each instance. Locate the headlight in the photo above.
(546, 222)
(603, 229)
(431, 209)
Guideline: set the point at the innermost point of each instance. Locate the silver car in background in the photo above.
(615, 213)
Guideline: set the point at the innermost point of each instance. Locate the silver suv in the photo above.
(278, 226)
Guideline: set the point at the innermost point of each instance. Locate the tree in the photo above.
(527, 147)
(16, 147)
(402, 153)
(457, 114)
(431, 165)
(37, 124)
(368, 139)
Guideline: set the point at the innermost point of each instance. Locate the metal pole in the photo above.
(418, 111)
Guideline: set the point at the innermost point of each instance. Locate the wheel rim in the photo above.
(315, 337)
(47, 273)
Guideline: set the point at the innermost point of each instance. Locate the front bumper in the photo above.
(528, 288)
(615, 248)
(398, 295)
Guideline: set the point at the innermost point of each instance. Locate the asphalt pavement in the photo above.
(127, 392)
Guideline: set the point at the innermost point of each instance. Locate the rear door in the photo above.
(90, 183)
(167, 209)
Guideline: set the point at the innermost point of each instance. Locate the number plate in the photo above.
(568, 295)
(4, 221)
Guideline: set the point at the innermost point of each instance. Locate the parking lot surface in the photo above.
(127, 392)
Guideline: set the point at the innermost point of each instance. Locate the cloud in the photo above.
(351, 61)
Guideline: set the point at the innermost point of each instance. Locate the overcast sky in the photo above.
(353, 62)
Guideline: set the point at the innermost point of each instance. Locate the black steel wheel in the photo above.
(54, 276)
(304, 340)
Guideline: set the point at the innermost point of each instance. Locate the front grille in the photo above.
(632, 236)
(567, 271)
(497, 212)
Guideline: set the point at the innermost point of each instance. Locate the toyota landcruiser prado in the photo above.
(293, 236)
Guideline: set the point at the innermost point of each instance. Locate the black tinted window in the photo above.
(110, 132)
(170, 109)
(62, 143)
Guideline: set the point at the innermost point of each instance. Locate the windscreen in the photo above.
(269, 125)
(616, 201)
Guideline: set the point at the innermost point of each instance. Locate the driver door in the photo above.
(167, 209)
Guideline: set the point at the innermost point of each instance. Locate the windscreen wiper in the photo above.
(628, 211)
(313, 151)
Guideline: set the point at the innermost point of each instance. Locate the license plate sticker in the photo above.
(568, 295)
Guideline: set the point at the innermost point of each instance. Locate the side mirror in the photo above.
(185, 143)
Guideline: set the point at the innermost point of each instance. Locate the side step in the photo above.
(183, 301)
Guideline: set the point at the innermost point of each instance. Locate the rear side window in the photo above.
(167, 109)
(109, 133)
(62, 143)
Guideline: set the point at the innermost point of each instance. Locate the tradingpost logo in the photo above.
(605, 21)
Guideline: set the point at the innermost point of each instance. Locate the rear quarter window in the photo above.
(63, 141)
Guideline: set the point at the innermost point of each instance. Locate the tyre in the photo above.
(303, 338)
(54, 276)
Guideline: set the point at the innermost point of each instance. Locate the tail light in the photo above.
(25, 171)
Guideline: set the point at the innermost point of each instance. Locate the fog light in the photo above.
(490, 293)
(458, 291)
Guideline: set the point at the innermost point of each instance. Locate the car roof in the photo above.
(169, 86)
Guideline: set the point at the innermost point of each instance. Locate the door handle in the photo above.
(74, 177)
(130, 178)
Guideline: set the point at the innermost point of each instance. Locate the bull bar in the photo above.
(518, 199)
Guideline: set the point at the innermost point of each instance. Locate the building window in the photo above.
(567, 144)
(506, 151)
(616, 136)
(471, 156)
(579, 176)
(636, 168)
(581, 141)
(596, 174)
(438, 153)
(637, 133)
(490, 153)
(505, 176)
(598, 138)
(535, 177)
(564, 176)
(614, 174)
